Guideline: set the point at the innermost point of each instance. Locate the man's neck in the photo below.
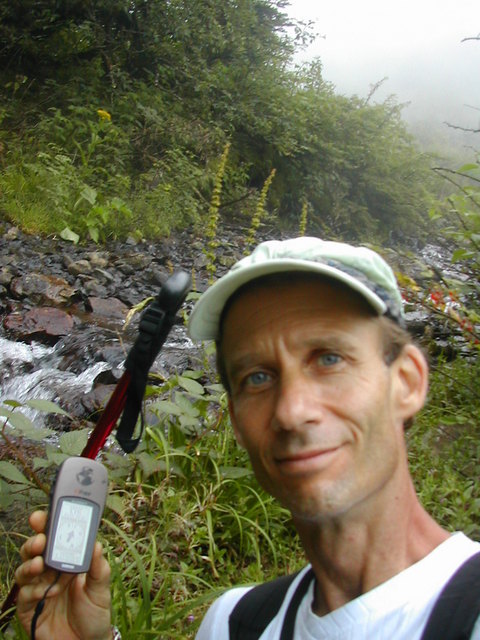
(351, 556)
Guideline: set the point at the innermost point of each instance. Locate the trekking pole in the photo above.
(153, 329)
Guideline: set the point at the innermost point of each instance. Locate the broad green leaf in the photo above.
(461, 254)
(166, 407)
(41, 463)
(468, 167)
(6, 499)
(94, 233)
(186, 406)
(20, 421)
(12, 403)
(46, 405)
(195, 374)
(192, 386)
(73, 442)
(10, 472)
(188, 421)
(117, 460)
(149, 464)
(56, 457)
(235, 472)
(89, 194)
(69, 235)
(37, 434)
(115, 503)
(216, 387)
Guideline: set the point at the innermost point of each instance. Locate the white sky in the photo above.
(415, 43)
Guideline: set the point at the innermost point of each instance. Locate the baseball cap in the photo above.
(360, 268)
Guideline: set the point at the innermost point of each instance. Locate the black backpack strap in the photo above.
(458, 606)
(256, 609)
(291, 614)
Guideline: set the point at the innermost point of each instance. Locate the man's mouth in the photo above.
(305, 461)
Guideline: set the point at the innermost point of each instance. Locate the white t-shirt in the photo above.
(397, 609)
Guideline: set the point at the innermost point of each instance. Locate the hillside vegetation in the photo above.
(114, 116)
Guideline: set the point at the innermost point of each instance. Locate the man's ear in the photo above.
(411, 382)
(233, 420)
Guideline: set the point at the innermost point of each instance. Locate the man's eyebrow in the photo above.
(329, 341)
(240, 363)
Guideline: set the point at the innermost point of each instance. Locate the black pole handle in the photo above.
(153, 329)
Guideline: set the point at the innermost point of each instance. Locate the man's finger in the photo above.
(32, 547)
(38, 521)
(29, 570)
(98, 577)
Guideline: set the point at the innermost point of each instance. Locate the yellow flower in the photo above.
(104, 115)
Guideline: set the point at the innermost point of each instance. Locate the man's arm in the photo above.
(77, 606)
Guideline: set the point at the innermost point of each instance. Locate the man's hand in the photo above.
(76, 607)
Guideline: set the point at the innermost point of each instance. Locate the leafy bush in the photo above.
(139, 104)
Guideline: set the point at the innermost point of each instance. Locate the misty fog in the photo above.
(416, 48)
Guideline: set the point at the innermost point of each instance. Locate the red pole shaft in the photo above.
(108, 419)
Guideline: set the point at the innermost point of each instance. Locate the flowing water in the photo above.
(35, 371)
(32, 371)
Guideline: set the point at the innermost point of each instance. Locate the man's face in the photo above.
(312, 399)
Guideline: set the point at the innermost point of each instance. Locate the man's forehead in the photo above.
(319, 294)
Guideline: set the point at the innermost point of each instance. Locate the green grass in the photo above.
(444, 447)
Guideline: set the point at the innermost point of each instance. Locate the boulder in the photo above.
(46, 324)
(42, 289)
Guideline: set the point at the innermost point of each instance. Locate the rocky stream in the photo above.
(63, 309)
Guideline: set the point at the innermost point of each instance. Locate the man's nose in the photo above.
(296, 404)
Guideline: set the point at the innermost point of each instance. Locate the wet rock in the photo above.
(96, 399)
(79, 267)
(6, 275)
(108, 307)
(12, 233)
(95, 289)
(157, 276)
(109, 376)
(85, 346)
(43, 323)
(97, 259)
(125, 267)
(114, 352)
(200, 261)
(42, 289)
(103, 276)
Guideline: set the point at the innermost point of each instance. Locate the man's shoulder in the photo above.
(215, 622)
(458, 547)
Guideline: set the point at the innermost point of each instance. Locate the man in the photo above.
(321, 379)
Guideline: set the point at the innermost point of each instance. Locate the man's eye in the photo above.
(328, 359)
(257, 378)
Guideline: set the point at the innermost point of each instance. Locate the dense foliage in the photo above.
(113, 116)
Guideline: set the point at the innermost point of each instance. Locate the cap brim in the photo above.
(205, 317)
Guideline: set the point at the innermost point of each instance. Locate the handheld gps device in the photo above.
(77, 501)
